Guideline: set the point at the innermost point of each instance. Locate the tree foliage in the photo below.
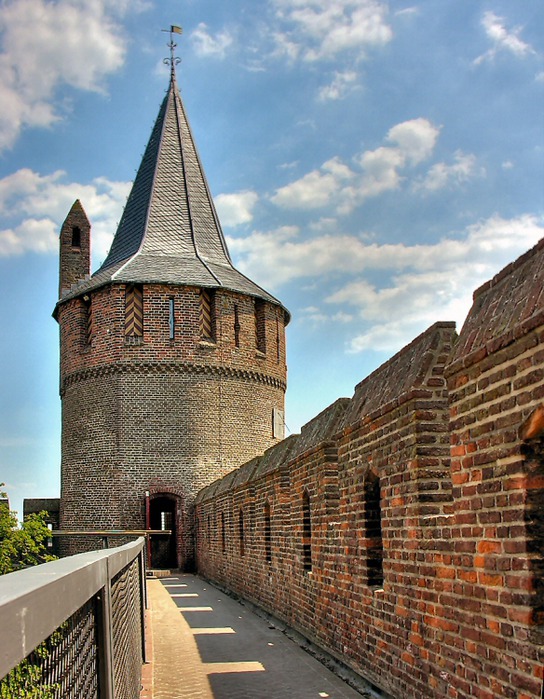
(22, 546)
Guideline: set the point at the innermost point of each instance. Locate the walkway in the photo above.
(208, 646)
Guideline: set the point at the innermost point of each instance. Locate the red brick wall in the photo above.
(496, 378)
(453, 429)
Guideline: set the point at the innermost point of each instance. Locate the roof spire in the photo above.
(169, 232)
(173, 60)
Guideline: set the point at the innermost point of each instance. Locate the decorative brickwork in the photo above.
(425, 494)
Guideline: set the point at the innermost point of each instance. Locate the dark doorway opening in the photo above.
(163, 516)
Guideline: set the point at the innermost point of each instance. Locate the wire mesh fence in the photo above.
(96, 652)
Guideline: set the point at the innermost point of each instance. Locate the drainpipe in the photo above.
(148, 526)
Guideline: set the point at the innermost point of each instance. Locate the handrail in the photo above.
(35, 602)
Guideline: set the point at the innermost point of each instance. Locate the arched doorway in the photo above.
(163, 516)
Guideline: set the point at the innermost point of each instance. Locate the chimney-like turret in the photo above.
(75, 248)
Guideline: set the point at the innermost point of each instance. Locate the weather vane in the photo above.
(173, 60)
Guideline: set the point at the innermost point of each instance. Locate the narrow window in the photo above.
(207, 312)
(171, 318)
(373, 530)
(260, 325)
(76, 237)
(278, 345)
(236, 326)
(134, 311)
(241, 532)
(306, 532)
(223, 533)
(267, 534)
(533, 452)
(88, 320)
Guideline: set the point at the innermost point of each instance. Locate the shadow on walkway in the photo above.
(208, 646)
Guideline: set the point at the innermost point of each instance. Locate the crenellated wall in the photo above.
(403, 530)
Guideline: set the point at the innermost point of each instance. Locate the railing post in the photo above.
(106, 682)
(143, 599)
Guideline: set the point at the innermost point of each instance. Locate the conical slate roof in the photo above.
(169, 232)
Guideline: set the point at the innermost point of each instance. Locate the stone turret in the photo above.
(75, 248)
(173, 368)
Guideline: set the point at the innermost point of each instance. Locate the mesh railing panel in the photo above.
(127, 632)
(64, 666)
(97, 652)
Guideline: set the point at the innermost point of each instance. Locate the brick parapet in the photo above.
(458, 449)
(408, 445)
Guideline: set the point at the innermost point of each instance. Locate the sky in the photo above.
(372, 164)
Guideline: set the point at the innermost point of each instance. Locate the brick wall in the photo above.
(449, 433)
(496, 379)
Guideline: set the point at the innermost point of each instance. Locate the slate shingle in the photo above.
(170, 232)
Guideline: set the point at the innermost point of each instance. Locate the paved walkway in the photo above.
(206, 645)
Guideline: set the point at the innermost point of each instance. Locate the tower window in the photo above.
(241, 532)
(260, 325)
(134, 311)
(306, 533)
(267, 533)
(171, 318)
(207, 315)
(76, 237)
(373, 530)
(236, 326)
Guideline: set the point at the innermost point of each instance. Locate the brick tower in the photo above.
(172, 366)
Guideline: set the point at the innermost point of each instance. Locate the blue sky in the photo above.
(372, 164)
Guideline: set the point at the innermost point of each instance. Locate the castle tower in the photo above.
(172, 368)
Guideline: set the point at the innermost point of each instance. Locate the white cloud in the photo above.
(442, 175)
(338, 186)
(39, 204)
(502, 39)
(419, 284)
(342, 84)
(237, 208)
(206, 44)
(415, 139)
(316, 189)
(45, 45)
(407, 12)
(322, 29)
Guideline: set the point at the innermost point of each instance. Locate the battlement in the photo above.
(402, 529)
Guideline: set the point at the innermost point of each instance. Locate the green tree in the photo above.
(21, 546)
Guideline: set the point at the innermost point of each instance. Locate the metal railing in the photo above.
(74, 628)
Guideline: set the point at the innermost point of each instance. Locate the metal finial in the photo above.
(173, 60)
